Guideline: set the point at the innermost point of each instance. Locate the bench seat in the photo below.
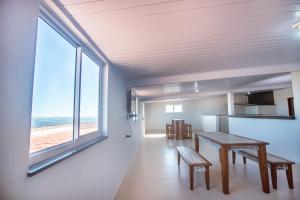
(274, 163)
(193, 159)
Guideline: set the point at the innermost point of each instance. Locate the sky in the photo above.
(54, 77)
(89, 88)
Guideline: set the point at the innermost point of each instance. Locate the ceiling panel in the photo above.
(149, 38)
(214, 87)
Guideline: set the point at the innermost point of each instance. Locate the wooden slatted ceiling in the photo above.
(149, 38)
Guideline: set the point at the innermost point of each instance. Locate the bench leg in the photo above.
(197, 145)
(244, 160)
(289, 176)
(233, 157)
(207, 177)
(191, 177)
(274, 176)
(178, 157)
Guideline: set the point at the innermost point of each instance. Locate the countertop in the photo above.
(263, 117)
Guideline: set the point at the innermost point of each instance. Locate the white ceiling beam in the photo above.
(181, 97)
(221, 74)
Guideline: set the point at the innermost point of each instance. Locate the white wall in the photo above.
(156, 118)
(240, 99)
(283, 135)
(223, 123)
(260, 110)
(251, 110)
(240, 109)
(92, 174)
(210, 123)
(231, 103)
(280, 100)
(267, 110)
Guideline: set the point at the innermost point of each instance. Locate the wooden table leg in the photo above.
(191, 177)
(178, 157)
(244, 160)
(233, 157)
(263, 168)
(289, 175)
(196, 143)
(225, 169)
(274, 176)
(207, 177)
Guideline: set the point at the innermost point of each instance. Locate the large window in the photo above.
(53, 90)
(66, 101)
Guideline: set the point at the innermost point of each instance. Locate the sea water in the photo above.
(40, 122)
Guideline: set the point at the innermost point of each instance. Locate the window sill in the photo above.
(42, 165)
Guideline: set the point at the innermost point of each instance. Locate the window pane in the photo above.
(169, 108)
(53, 89)
(178, 108)
(89, 96)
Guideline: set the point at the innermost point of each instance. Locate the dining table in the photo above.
(229, 142)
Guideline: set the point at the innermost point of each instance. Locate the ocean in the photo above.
(40, 122)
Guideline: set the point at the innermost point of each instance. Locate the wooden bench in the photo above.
(193, 159)
(274, 163)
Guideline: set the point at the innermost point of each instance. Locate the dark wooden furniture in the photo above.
(178, 130)
(274, 162)
(169, 131)
(261, 98)
(291, 106)
(188, 131)
(194, 159)
(226, 142)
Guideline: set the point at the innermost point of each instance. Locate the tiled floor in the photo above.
(155, 175)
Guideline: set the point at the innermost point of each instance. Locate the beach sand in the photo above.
(42, 138)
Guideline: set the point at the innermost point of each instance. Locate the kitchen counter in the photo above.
(263, 117)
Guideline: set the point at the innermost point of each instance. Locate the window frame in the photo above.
(173, 108)
(169, 105)
(100, 99)
(40, 160)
